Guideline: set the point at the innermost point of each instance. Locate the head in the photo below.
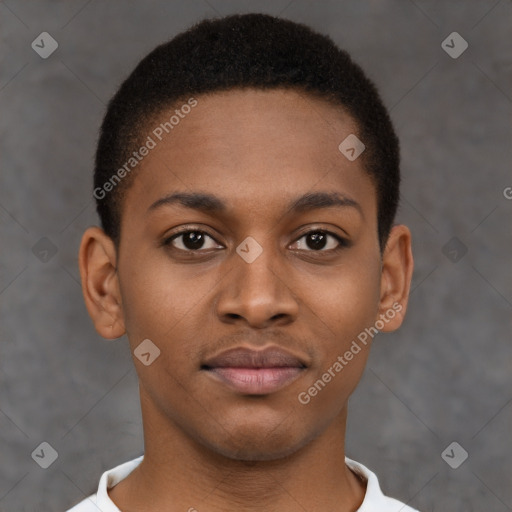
(231, 218)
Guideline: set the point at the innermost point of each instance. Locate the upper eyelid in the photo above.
(188, 230)
(322, 230)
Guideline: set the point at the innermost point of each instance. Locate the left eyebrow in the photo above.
(317, 200)
(209, 203)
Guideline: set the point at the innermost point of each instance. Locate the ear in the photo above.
(396, 275)
(100, 286)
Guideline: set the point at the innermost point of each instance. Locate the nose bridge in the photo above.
(256, 267)
(256, 288)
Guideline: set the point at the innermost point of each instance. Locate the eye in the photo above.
(321, 241)
(191, 241)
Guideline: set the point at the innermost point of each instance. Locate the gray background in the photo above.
(444, 377)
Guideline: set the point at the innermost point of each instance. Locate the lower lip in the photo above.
(256, 381)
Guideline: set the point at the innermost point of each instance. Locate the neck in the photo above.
(178, 473)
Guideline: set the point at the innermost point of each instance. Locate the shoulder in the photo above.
(375, 500)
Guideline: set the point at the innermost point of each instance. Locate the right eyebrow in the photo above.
(207, 203)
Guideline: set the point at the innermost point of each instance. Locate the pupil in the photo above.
(193, 240)
(318, 240)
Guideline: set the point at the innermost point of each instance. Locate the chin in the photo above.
(254, 452)
(258, 443)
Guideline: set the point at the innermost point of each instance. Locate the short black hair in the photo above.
(244, 51)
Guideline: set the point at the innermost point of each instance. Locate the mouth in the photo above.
(254, 372)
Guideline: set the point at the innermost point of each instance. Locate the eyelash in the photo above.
(343, 242)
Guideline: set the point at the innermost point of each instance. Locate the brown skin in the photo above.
(206, 446)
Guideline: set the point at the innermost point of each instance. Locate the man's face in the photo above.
(195, 296)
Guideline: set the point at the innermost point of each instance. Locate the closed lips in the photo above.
(246, 358)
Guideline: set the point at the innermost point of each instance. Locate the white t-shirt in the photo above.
(374, 500)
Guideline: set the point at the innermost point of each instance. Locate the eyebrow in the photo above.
(209, 203)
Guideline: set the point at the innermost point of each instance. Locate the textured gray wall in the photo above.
(444, 377)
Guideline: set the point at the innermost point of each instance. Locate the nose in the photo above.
(257, 293)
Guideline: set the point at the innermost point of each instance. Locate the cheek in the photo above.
(347, 299)
(346, 303)
(159, 299)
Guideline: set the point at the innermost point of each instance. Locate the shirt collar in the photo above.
(110, 478)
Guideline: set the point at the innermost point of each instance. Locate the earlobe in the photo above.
(100, 286)
(396, 275)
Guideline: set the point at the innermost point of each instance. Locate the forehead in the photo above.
(252, 147)
(251, 124)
